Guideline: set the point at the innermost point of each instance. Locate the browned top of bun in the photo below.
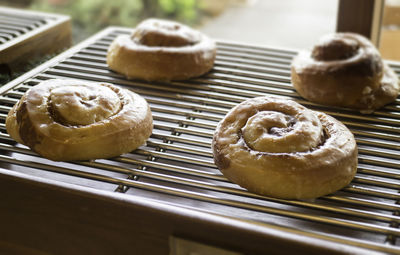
(277, 147)
(77, 120)
(344, 69)
(162, 50)
(348, 53)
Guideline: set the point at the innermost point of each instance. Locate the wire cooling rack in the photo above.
(26, 35)
(176, 167)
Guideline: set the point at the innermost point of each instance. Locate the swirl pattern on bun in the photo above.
(161, 50)
(345, 69)
(76, 120)
(278, 148)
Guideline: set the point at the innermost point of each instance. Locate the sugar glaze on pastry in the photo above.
(345, 69)
(162, 50)
(276, 147)
(78, 120)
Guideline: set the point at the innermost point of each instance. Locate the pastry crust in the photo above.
(160, 50)
(345, 69)
(66, 120)
(276, 147)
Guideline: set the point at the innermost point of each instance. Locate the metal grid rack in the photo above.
(13, 25)
(176, 166)
(26, 34)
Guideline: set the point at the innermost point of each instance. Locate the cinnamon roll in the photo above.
(160, 50)
(345, 69)
(279, 148)
(76, 120)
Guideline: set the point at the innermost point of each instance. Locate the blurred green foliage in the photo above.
(90, 16)
(186, 10)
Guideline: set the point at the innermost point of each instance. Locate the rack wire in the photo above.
(176, 167)
(26, 35)
(13, 25)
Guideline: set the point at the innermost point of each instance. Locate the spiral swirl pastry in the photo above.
(278, 148)
(76, 120)
(345, 69)
(160, 50)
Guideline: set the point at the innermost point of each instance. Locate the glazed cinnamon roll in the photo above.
(278, 148)
(160, 50)
(345, 69)
(75, 120)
